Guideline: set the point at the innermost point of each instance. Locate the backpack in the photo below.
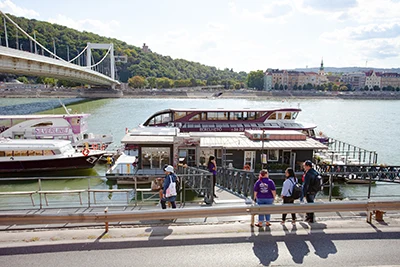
(315, 183)
(178, 184)
(296, 191)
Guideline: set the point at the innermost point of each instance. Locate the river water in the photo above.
(370, 124)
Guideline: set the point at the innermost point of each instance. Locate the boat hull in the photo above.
(67, 163)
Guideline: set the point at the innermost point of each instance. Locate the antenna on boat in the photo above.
(65, 108)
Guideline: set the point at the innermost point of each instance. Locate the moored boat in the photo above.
(18, 155)
(72, 127)
(232, 120)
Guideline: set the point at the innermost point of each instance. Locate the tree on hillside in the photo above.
(255, 79)
(137, 82)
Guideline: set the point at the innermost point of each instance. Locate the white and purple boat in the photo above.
(26, 155)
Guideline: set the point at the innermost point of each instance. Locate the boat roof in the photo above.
(242, 142)
(125, 159)
(228, 109)
(42, 116)
(7, 143)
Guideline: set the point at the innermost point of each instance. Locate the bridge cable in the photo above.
(32, 39)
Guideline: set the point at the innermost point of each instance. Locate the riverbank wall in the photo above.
(191, 93)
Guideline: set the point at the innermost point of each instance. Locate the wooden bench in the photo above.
(30, 193)
(94, 191)
(45, 193)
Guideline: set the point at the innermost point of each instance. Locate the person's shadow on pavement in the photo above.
(159, 232)
(265, 247)
(321, 242)
(295, 244)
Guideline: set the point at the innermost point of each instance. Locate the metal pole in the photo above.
(88, 195)
(5, 31)
(16, 40)
(330, 187)
(54, 47)
(34, 37)
(40, 195)
(67, 53)
(369, 187)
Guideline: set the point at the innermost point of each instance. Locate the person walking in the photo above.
(212, 167)
(308, 193)
(286, 194)
(170, 177)
(264, 194)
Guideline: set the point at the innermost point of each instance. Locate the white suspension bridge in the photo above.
(49, 64)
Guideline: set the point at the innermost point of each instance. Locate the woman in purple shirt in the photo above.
(264, 194)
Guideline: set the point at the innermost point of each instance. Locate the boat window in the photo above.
(48, 152)
(17, 153)
(31, 153)
(43, 124)
(9, 153)
(195, 118)
(280, 115)
(233, 116)
(288, 115)
(217, 116)
(179, 114)
(294, 115)
(155, 157)
(273, 155)
(2, 154)
(272, 116)
(251, 115)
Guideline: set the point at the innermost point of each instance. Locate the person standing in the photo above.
(308, 193)
(212, 167)
(290, 180)
(264, 194)
(170, 177)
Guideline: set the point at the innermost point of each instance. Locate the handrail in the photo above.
(140, 215)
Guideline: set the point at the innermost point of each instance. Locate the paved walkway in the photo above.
(179, 227)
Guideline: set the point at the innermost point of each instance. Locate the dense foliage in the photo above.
(70, 42)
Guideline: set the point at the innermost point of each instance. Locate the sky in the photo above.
(245, 35)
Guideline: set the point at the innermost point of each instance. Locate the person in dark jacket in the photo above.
(212, 167)
(169, 177)
(310, 174)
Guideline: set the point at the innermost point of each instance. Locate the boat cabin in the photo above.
(253, 149)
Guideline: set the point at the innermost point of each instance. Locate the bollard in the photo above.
(106, 223)
(379, 215)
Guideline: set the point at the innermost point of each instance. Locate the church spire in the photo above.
(322, 65)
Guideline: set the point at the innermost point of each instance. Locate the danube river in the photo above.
(370, 124)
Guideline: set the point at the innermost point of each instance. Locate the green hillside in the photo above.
(148, 64)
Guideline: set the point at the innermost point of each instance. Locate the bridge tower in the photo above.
(110, 47)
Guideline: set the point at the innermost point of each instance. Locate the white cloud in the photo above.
(104, 28)
(330, 5)
(376, 11)
(277, 11)
(8, 6)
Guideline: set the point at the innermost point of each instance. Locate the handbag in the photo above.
(171, 190)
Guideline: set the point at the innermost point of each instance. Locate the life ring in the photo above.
(103, 147)
(85, 152)
(246, 167)
(95, 146)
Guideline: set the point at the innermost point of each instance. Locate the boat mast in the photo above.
(65, 108)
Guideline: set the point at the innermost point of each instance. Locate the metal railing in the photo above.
(42, 195)
(238, 182)
(157, 214)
